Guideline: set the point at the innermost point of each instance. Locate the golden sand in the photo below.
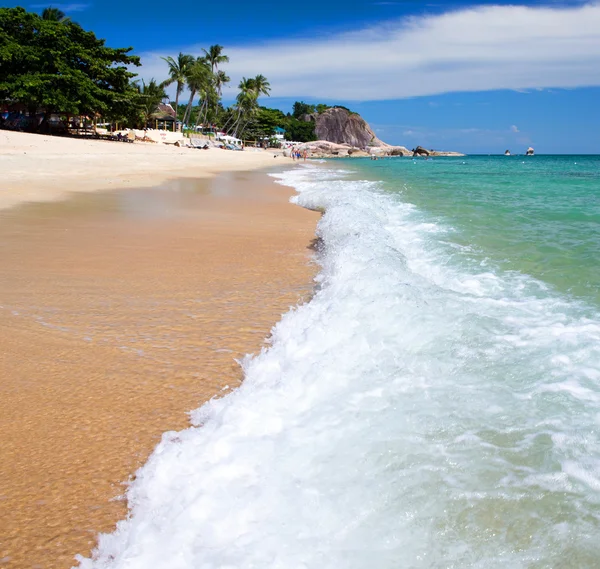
(36, 168)
(120, 312)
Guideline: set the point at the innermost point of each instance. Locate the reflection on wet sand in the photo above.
(120, 312)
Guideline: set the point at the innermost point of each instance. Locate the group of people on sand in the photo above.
(297, 154)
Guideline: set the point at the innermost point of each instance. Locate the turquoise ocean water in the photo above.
(539, 215)
(436, 405)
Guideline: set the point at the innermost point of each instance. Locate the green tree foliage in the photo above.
(246, 105)
(151, 94)
(301, 108)
(299, 131)
(264, 123)
(56, 66)
(54, 15)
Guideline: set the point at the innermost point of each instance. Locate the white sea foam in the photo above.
(421, 411)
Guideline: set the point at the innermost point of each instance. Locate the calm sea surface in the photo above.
(436, 405)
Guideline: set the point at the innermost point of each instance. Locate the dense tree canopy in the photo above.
(53, 64)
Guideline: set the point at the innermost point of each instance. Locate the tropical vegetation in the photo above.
(51, 65)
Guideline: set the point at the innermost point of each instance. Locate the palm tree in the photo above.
(246, 103)
(214, 56)
(261, 86)
(245, 86)
(54, 15)
(207, 95)
(213, 95)
(198, 77)
(221, 78)
(249, 108)
(178, 72)
(250, 91)
(151, 94)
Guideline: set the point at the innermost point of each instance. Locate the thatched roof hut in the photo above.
(164, 112)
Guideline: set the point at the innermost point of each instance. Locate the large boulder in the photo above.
(420, 151)
(326, 149)
(341, 126)
(390, 151)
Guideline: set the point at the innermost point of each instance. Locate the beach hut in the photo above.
(163, 118)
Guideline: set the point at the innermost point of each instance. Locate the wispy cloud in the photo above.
(66, 8)
(476, 49)
(514, 128)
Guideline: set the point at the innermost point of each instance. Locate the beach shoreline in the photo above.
(37, 168)
(122, 311)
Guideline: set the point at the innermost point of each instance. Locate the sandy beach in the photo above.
(43, 168)
(120, 311)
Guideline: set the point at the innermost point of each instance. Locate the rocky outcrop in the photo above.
(388, 150)
(420, 151)
(343, 133)
(343, 127)
(326, 149)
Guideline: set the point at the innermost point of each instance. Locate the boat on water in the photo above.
(529, 152)
(507, 153)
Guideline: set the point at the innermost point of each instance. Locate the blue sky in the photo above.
(478, 77)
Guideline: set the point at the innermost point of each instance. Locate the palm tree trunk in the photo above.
(224, 127)
(188, 110)
(241, 129)
(200, 112)
(237, 120)
(177, 101)
(237, 125)
(205, 110)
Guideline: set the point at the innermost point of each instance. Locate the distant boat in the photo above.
(529, 152)
(507, 153)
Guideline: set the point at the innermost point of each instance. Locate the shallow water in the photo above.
(120, 311)
(435, 405)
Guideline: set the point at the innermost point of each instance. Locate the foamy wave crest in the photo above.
(420, 411)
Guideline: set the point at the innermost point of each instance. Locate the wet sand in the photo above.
(120, 312)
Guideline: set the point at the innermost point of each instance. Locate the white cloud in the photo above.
(66, 8)
(514, 128)
(476, 49)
